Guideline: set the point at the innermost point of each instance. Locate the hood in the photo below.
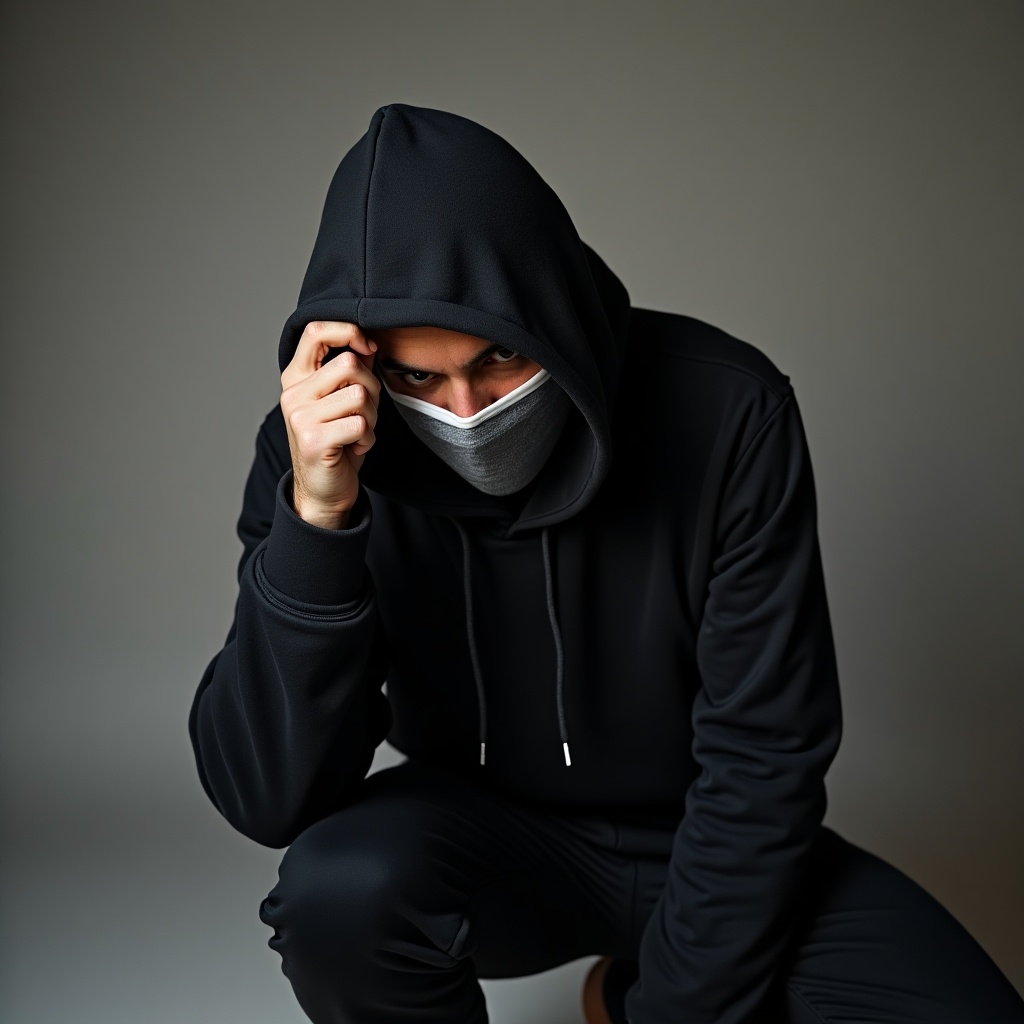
(432, 219)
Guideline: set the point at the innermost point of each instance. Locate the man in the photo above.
(577, 540)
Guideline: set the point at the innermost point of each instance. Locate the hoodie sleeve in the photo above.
(288, 714)
(767, 723)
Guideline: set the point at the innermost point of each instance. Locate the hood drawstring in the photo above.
(474, 658)
(549, 583)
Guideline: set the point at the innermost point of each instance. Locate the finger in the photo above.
(362, 344)
(342, 371)
(351, 432)
(318, 338)
(308, 421)
(347, 402)
(362, 347)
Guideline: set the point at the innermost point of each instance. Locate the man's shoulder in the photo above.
(661, 340)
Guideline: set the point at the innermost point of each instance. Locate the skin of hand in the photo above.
(330, 409)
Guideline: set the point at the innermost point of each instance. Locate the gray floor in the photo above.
(149, 916)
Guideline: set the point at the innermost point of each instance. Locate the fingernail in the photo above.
(373, 346)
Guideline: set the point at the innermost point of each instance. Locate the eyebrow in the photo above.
(394, 366)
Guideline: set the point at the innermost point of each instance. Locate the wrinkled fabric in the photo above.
(393, 907)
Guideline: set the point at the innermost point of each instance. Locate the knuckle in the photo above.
(297, 420)
(308, 439)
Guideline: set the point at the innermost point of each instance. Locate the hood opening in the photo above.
(436, 220)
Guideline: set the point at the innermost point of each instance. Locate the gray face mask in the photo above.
(502, 447)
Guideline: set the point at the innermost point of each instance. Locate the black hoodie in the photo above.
(642, 631)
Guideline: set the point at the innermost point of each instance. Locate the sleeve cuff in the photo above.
(311, 564)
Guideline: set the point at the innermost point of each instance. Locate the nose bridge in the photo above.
(468, 395)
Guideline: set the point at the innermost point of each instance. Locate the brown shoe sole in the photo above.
(592, 997)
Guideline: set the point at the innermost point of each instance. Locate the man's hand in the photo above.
(330, 409)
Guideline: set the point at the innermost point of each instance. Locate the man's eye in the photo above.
(420, 377)
(503, 355)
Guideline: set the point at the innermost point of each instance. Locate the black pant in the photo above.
(390, 909)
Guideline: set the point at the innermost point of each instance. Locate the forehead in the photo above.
(427, 346)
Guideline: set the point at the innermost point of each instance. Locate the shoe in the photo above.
(592, 996)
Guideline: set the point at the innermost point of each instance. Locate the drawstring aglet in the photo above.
(565, 747)
(483, 752)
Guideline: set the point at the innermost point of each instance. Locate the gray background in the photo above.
(837, 183)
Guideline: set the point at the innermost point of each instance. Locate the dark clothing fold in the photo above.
(392, 909)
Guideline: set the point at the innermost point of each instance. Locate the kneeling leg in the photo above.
(390, 909)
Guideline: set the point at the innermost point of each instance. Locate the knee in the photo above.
(333, 891)
(347, 888)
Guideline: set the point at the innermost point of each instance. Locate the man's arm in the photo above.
(288, 714)
(767, 724)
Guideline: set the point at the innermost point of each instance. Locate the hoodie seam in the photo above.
(366, 207)
(275, 598)
(780, 393)
(769, 420)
